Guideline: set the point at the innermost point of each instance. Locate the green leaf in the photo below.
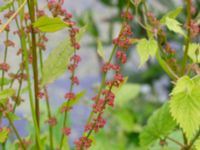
(100, 50)
(12, 116)
(185, 105)
(126, 93)
(7, 93)
(145, 49)
(56, 63)
(46, 24)
(172, 14)
(194, 49)
(197, 144)
(4, 134)
(174, 25)
(6, 81)
(159, 125)
(6, 6)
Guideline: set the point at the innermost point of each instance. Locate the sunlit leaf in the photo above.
(7, 93)
(56, 63)
(159, 125)
(194, 52)
(4, 134)
(6, 6)
(145, 49)
(100, 50)
(172, 14)
(6, 81)
(174, 25)
(47, 24)
(185, 105)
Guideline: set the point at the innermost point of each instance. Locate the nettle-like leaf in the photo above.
(47, 24)
(7, 93)
(100, 50)
(172, 14)
(56, 63)
(159, 125)
(194, 52)
(145, 49)
(174, 25)
(185, 104)
(6, 6)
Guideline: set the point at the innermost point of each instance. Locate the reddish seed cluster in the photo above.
(106, 96)
(87, 143)
(66, 131)
(56, 9)
(194, 28)
(52, 121)
(123, 40)
(4, 67)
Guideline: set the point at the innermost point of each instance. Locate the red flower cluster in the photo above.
(79, 143)
(106, 96)
(66, 131)
(4, 67)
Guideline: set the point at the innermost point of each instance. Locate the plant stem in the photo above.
(47, 105)
(15, 130)
(13, 16)
(193, 140)
(188, 39)
(4, 60)
(177, 142)
(31, 6)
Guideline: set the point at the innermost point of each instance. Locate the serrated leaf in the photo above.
(6, 81)
(172, 14)
(126, 93)
(185, 105)
(145, 49)
(159, 125)
(4, 134)
(194, 49)
(7, 93)
(174, 25)
(100, 50)
(6, 6)
(56, 63)
(47, 24)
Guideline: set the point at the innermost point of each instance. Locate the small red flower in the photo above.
(52, 121)
(66, 131)
(4, 66)
(69, 95)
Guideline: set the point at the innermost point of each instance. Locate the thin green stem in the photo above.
(31, 7)
(188, 39)
(4, 60)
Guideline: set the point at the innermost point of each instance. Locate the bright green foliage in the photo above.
(7, 93)
(3, 134)
(174, 25)
(194, 52)
(56, 63)
(197, 144)
(159, 125)
(172, 14)
(126, 119)
(185, 105)
(126, 93)
(46, 24)
(6, 81)
(100, 50)
(6, 6)
(145, 49)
